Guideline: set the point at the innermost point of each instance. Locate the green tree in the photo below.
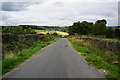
(87, 28)
(18, 30)
(70, 30)
(74, 28)
(109, 32)
(117, 32)
(99, 28)
(103, 20)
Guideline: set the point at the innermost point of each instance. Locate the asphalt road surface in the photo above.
(58, 60)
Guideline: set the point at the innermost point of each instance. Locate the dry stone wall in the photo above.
(14, 37)
(105, 45)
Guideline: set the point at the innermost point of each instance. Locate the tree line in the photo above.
(97, 28)
(21, 29)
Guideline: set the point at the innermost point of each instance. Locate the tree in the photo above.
(109, 32)
(70, 30)
(82, 28)
(103, 20)
(100, 27)
(117, 32)
(18, 30)
(87, 28)
(74, 28)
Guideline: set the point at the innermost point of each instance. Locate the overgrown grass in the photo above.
(104, 60)
(10, 63)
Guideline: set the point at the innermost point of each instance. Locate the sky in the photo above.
(58, 12)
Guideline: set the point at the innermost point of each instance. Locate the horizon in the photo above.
(55, 26)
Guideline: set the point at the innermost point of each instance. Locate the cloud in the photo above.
(16, 6)
(61, 0)
(61, 13)
(59, 3)
(119, 13)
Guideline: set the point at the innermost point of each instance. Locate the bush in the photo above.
(55, 34)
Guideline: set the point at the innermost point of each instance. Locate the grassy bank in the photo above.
(13, 59)
(106, 61)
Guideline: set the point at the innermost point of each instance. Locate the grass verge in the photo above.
(11, 63)
(103, 60)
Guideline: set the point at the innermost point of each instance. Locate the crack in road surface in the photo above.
(58, 60)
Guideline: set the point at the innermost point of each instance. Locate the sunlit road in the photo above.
(58, 60)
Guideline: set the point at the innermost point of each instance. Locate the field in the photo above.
(51, 32)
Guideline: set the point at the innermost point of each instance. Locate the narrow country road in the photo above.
(58, 60)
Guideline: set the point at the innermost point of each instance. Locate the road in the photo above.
(58, 60)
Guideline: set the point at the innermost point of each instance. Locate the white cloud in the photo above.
(62, 12)
(61, 0)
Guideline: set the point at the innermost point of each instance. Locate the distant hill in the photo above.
(55, 28)
(113, 26)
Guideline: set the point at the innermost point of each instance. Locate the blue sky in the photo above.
(58, 12)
